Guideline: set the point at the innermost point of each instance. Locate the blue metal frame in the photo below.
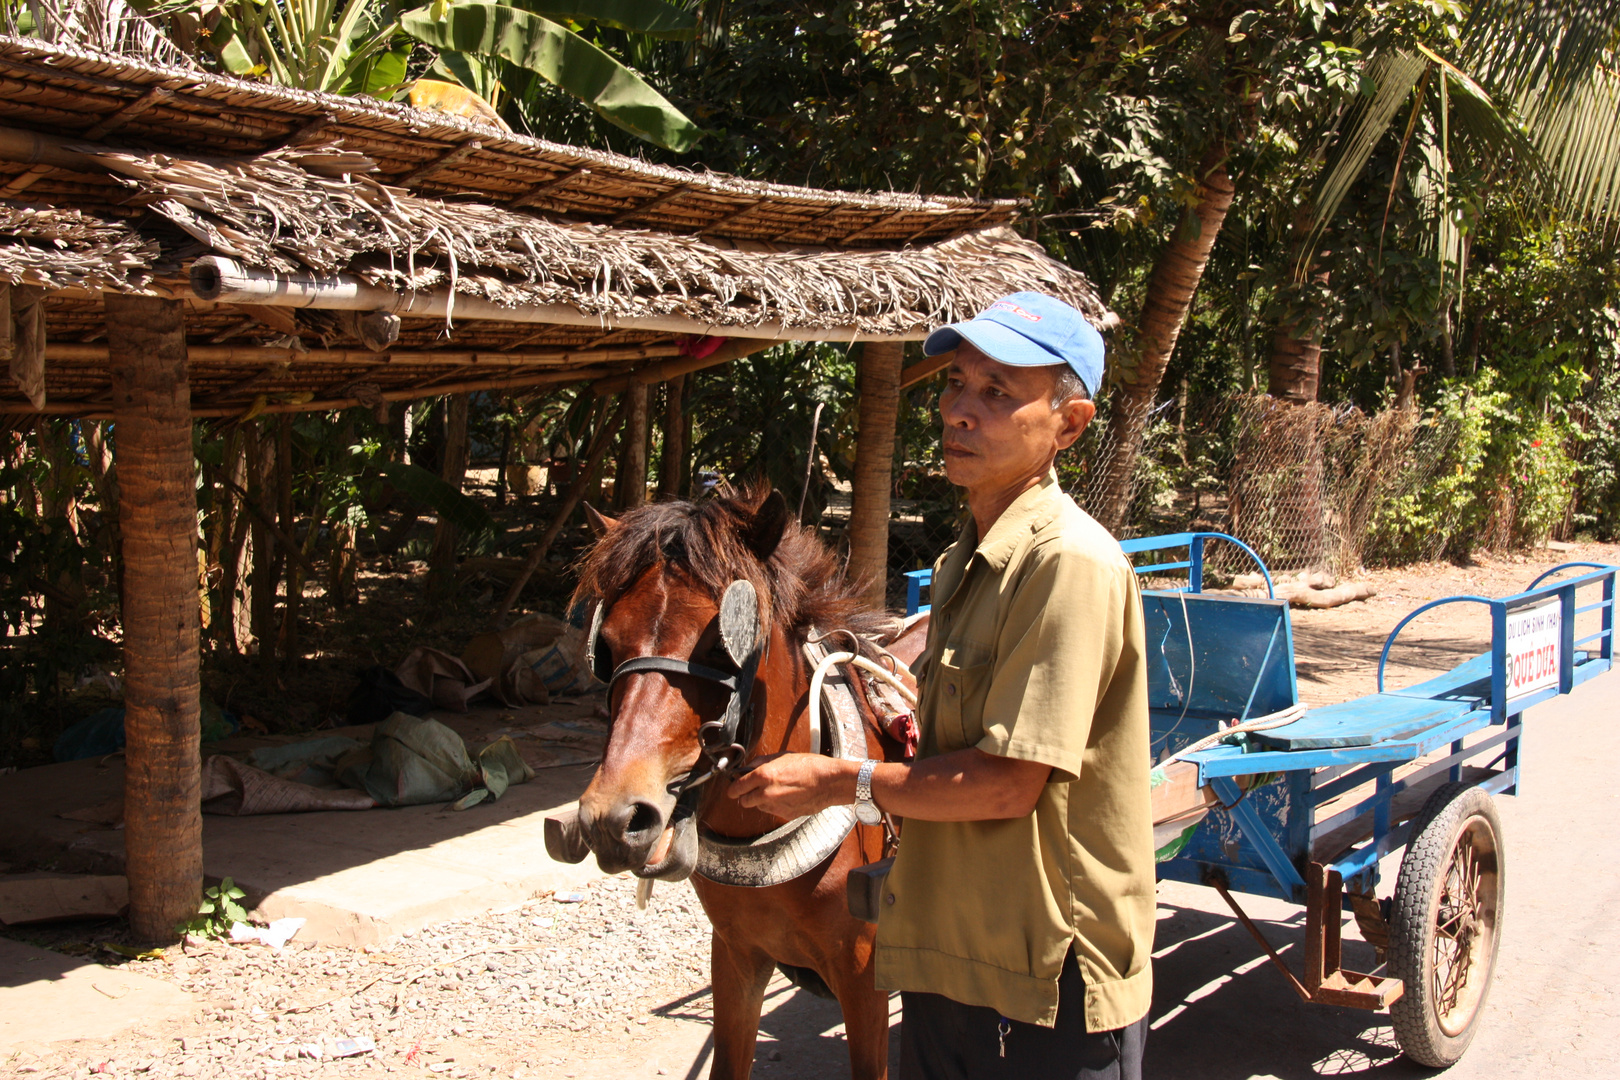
(918, 580)
(1260, 839)
(1464, 715)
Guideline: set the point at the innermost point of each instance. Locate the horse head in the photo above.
(684, 629)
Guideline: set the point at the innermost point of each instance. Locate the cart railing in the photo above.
(1534, 653)
(1193, 542)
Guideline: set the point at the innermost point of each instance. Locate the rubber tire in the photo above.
(1435, 834)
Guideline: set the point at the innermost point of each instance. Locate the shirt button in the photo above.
(889, 899)
(950, 689)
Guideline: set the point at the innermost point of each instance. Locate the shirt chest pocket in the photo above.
(962, 673)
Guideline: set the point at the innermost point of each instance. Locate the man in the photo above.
(1018, 919)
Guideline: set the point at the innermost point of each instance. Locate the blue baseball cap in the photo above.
(1029, 329)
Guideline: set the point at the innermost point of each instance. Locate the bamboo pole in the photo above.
(630, 485)
(158, 517)
(264, 355)
(733, 349)
(94, 410)
(442, 560)
(878, 376)
(214, 277)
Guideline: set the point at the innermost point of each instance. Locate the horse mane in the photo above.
(803, 580)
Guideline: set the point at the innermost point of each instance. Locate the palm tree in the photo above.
(1532, 91)
(1532, 85)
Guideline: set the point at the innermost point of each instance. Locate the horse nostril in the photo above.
(644, 819)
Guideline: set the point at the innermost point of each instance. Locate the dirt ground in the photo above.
(587, 986)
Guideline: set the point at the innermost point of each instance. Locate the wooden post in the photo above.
(878, 379)
(265, 573)
(630, 487)
(670, 462)
(442, 562)
(158, 521)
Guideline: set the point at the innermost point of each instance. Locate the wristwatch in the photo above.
(866, 811)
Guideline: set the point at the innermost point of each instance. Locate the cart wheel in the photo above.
(1446, 923)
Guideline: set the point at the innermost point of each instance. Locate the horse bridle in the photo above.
(723, 742)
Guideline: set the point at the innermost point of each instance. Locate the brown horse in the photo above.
(660, 574)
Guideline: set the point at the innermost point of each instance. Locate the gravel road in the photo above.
(480, 997)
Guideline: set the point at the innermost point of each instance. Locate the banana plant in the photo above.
(489, 46)
(496, 50)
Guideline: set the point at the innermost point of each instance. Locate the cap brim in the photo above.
(994, 340)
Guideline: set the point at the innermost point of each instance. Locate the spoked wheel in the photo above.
(1446, 923)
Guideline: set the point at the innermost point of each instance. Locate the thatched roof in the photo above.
(75, 93)
(614, 268)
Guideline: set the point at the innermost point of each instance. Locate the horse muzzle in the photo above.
(639, 836)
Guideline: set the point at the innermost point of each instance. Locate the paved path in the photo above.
(46, 997)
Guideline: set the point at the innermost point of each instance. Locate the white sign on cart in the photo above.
(1534, 641)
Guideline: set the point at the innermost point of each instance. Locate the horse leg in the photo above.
(739, 975)
(866, 1024)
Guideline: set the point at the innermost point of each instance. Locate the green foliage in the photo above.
(499, 51)
(1447, 513)
(1597, 508)
(219, 910)
(532, 43)
(752, 419)
(57, 591)
(1506, 474)
(436, 494)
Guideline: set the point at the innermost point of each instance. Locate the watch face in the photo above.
(867, 813)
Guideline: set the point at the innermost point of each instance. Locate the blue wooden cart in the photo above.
(1304, 805)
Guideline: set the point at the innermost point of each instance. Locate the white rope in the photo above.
(827, 663)
(1281, 718)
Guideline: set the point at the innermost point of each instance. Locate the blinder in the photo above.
(740, 635)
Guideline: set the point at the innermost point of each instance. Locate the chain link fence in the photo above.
(1317, 487)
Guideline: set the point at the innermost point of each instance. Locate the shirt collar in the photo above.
(1025, 514)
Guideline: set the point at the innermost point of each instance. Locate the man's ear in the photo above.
(1077, 414)
(600, 523)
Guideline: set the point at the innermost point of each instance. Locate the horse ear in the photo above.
(600, 523)
(764, 532)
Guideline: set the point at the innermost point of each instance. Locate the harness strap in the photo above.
(668, 665)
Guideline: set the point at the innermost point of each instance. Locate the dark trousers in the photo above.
(941, 1039)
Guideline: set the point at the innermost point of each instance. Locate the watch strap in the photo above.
(863, 781)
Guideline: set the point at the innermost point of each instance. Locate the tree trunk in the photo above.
(158, 517)
(878, 377)
(670, 464)
(630, 488)
(442, 563)
(1296, 363)
(1169, 299)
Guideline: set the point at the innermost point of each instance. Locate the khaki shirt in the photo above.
(1035, 652)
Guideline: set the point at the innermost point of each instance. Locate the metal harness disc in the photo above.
(800, 845)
